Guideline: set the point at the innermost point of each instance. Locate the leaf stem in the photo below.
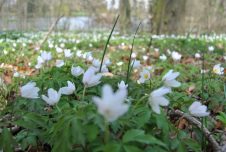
(203, 119)
(83, 93)
(130, 56)
(58, 109)
(105, 48)
(106, 132)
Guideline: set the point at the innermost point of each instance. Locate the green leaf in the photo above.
(132, 134)
(141, 116)
(92, 132)
(222, 117)
(136, 135)
(113, 147)
(192, 145)
(149, 139)
(130, 148)
(6, 141)
(33, 121)
(155, 149)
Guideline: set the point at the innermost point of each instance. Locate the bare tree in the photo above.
(125, 16)
(2, 2)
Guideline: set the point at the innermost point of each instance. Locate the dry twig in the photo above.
(50, 31)
(197, 123)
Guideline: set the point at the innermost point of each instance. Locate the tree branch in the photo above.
(197, 123)
(50, 31)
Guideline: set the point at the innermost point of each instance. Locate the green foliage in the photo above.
(222, 117)
(75, 125)
(6, 140)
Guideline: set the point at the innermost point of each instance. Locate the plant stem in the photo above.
(225, 91)
(106, 132)
(58, 108)
(203, 119)
(130, 56)
(142, 98)
(105, 48)
(150, 84)
(83, 93)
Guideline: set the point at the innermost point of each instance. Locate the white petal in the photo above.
(155, 108)
(107, 92)
(161, 91)
(162, 101)
(172, 83)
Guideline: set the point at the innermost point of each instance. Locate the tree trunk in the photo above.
(125, 18)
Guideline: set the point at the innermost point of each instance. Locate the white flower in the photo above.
(46, 56)
(68, 89)
(211, 48)
(197, 55)
(156, 49)
(5, 52)
(104, 69)
(133, 55)
(163, 57)
(198, 110)
(79, 54)
(144, 76)
(145, 57)
(16, 74)
(59, 63)
(119, 63)
(59, 50)
(217, 69)
(122, 85)
(14, 44)
(90, 45)
(88, 56)
(62, 45)
(176, 56)
(76, 71)
(90, 78)
(149, 68)
(29, 90)
(136, 64)
(169, 79)
(96, 63)
(67, 53)
(107, 62)
(53, 97)
(50, 45)
(168, 51)
(40, 60)
(37, 48)
(157, 99)
(111, 105)
(38, 66)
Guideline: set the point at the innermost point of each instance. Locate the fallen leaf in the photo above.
(183, 123)
(190, 89)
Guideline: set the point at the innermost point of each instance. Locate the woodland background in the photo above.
(157, 16)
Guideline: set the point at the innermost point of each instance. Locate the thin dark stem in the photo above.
(224, 90)
(203, 66)
(109, 37)
(106, 132)
(83, 93)
(203, 119)
(131, 51)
